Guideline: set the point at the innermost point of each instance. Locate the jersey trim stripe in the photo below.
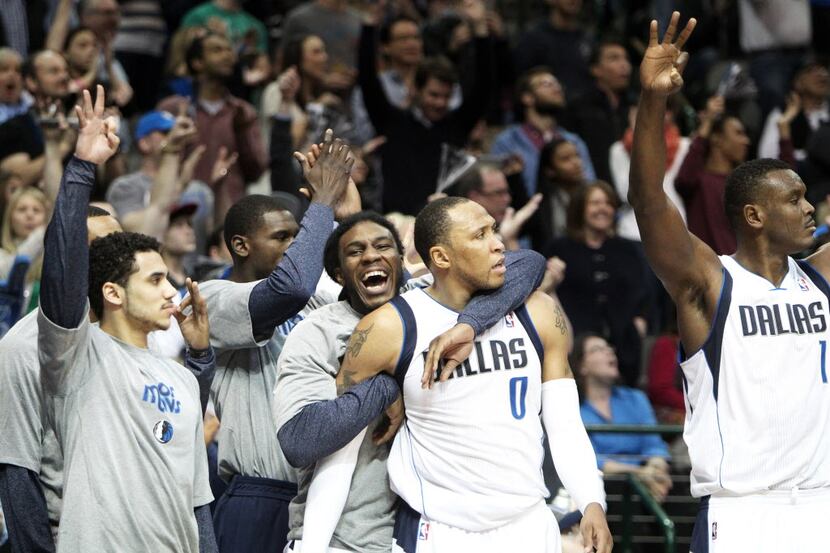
(817, 278)
(530, 328)
(714, 343)
(410, 338)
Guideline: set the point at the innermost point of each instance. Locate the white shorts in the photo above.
(769, 522)
(536, 531)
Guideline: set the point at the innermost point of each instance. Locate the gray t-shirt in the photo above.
(308, 366)
(27, 439)
(130, 426)
(246, 370)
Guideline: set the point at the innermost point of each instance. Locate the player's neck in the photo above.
(450, 293)
(756, 256)
(117, 326)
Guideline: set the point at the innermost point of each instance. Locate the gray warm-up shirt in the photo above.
(130, 424)
(308, 367)
(26, 438)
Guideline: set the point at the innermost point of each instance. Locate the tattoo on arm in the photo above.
(348, 381)
(357, 341)
(560, 320)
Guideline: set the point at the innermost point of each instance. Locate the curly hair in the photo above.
(331, 253)
(112, 259)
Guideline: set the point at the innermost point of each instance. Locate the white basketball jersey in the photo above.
(470, 452)
(757, 392)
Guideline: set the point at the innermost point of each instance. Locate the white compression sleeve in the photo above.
(571, 450)
(327, 495)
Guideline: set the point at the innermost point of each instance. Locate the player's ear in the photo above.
(754, 216)
(439, 257)
(239, 245)
(338, 276)
(113, 293)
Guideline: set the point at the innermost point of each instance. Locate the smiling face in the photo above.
(565, 164)
(371, 267)
(82, 51)
(599, 212)
(474, 250)
(315, 59)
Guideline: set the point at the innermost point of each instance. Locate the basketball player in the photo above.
(467, 462)
(129, 423)
(754, 332)
(272, 280)
(365, 255)
(30, 461)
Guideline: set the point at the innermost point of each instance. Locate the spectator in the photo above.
(46, 75)
(486, 185)
(559, 175)
(664, 379)
(103, 18)
(541, 100)
(412, 153)
(812, 88)
(13, 100)
(335, 23)
(22, 231)
(604, 402)
(620, 160)
(721, 145)
(140, 46)
(21, 25)
(605, 288)
(222, 121)
(81, 52)
(600, 116)
(560, 43)
(244, 31)
(178, 241)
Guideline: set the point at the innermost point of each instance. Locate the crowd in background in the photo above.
(524, 107)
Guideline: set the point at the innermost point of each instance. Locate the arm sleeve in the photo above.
(374, 98)
(323, 427)
(571, 450)
(24, 508)
(525, 270)
(328, 493)
(207, 539)
(283, 175)
(290, 285)
(64, 282)
(203, 366)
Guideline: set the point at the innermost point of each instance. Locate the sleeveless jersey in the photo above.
(470, 452)
(757, 392)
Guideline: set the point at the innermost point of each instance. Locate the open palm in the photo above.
(663, 63)
(97, 141)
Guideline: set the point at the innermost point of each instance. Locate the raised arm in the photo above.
(475, 103)
(374, 98)
(685, 265)
(63, 289)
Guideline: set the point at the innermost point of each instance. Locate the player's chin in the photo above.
(162, 323)
(495, 280)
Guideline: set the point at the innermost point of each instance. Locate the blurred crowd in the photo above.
(524, 107)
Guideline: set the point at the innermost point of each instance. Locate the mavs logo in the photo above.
(163, 397)
(163, 431)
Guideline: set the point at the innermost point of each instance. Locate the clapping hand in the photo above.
(97, 141)
(327, 167)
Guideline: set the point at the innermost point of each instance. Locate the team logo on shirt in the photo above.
(714, 531)
(423, 531)
(508, 320)
(802, 283)
(163, 431)
(163, 397)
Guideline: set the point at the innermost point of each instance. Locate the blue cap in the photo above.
(154, 121)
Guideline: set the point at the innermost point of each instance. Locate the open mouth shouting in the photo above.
(375, 281)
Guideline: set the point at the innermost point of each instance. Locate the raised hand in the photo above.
(183, 132)
(513, 221)
(663, 63)
(97, 141)
(222, 165)
(195, 327)
(328, 175)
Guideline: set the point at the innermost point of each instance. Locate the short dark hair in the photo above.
(385, 33)
(576, 209)
(433, 224)
(245, 216)
(331, 253)
(75, 32)
(112, 259)
(95, 211)
(744, 184)
(471, 180)
(438, 68)
(28, 67)
(196, 49)
(605, 42)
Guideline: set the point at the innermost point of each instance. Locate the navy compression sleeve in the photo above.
(64, 280)
(207, 538)
(290, 285)
(202, 363)
(24, 508)
(323, 427)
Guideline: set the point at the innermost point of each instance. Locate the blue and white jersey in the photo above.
(757, 392)
(470, 452)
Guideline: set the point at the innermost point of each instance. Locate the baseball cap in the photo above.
(183, 209)
(154, 121)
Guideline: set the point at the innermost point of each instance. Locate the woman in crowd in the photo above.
(21, 237)
(559, 177)
(605, 289)
(595, 367)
